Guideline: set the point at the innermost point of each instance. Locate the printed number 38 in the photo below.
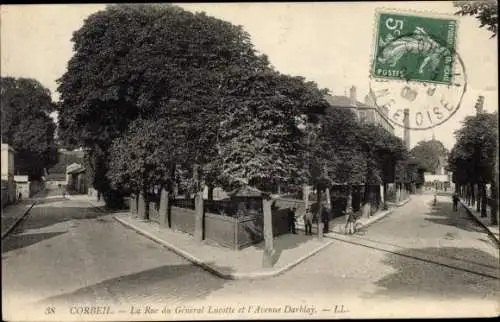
(392, 24)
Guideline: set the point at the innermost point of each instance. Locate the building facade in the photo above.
(367, 112)
(8, 183)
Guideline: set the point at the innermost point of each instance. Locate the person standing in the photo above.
(308, 219)
(350, 225)
(325, 218)
(291, 220)
(455, 201)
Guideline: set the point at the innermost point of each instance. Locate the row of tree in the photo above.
(474, 162)
(156, 93)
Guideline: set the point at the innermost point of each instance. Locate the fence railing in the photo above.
(184, 203)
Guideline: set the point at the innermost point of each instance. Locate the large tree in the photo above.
(27, 126)
(260, 142)
(151, 61)
(430, 154)
(383, 153)
(473, 158)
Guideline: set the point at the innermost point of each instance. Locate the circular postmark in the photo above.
(417, 80)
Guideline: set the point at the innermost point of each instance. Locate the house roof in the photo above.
(342, 101)
(73, 167)
(76, 171)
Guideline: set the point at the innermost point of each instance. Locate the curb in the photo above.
(492, 236)
(213, 270)
(17, 221)
(373, 220)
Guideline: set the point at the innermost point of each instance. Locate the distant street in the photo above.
(66, 252)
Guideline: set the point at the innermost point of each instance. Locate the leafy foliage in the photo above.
(141, 159)
(472, 158)
(336, 154)
(430, 154)
(27, 126)
(484, 11)
(382, 151)
(151, 61)
(260, 142)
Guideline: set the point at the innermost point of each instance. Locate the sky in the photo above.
(329, 43)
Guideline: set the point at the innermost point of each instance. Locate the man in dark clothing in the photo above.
(455, 201)
(325, 217)
(291, 220)
(308, 219)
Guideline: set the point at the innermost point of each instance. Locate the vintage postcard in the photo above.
(227, 161)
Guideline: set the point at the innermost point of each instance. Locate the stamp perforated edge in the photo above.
(415, 13)
(423, 13)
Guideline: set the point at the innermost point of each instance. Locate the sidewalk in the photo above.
(13, 214)
(493, 231)
(225, 262)
(337, 224)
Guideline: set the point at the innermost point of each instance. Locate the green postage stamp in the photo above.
(414, 48)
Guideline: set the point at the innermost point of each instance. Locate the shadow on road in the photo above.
(17, 241)
(48, 212)
(421, 278)
(442, 213)
(177, 283)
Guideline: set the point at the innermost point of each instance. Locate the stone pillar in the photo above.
(133, 204)
(164, 208)
(305, 195)
(141, 207)
(198, 221)
(269, 252)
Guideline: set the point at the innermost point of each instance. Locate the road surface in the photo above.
(66, 254)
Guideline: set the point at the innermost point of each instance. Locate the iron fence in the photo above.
(184, 203)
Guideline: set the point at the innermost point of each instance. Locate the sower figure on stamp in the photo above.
(308, 220)
(291, 220)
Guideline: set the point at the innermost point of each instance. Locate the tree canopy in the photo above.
(151, 61)
(260, 138)
(430, 154)
(27, 126)
(485, 11)
(472, 159)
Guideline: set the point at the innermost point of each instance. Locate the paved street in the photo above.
(65, 253)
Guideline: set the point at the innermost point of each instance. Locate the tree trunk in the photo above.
(305, 196)
(384, 196)
(269, 252)
(164, 209)
(141, 207)
(494, 193)
(494, 203)
(198, 202)
(484, 201)
(366, 209)
(133, 204)
(321, 204)
(348, 208)
(210, 192)
(328, 198)
(479, 194)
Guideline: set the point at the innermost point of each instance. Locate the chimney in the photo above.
(407, 128)
(353, 96)
(479, 105)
